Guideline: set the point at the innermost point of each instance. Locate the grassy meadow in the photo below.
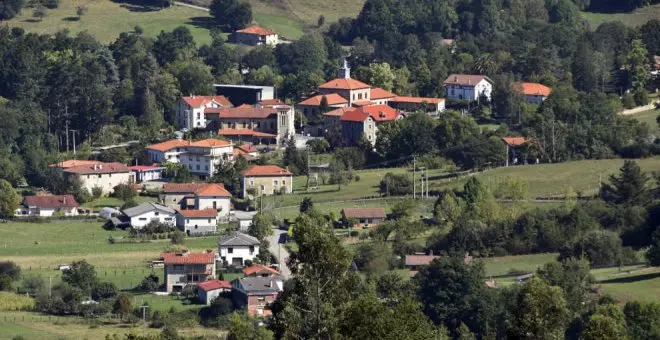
(649, 117)
(632, 19)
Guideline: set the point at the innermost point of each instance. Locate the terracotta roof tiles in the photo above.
(417, 100)
(210, 285)
(534, 89)
(259, 268)
(265, 170)
(73, 163)
(355, 116)
(256, 30)
(188, 188)
(188, 258)
(213, 189)
(364, 212)
(168, 145)
(51, 201)
(332, 98)
(344, 84)
(102, 168)
(204, 213)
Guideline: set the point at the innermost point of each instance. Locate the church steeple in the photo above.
(345, 71)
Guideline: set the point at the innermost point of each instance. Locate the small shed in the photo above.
(363, 217)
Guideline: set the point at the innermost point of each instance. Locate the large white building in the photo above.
(214, 196)
(189, 111)
(169, 151)
(101, 175)
(235, 248)
(144, 213)
(194, 222)
(201, 157)
(468, 87)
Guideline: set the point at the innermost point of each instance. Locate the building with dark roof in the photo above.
(235, 248)
(468, 87)
(145, 213)
(105, 176)
(363, 217)
(256, 294)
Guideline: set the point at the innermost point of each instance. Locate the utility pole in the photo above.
(144, 316)
(554, 150)
(73, 133)
(50, 286)
(414, 171)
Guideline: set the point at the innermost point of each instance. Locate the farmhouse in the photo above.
(182, 269)
(534, 93)
(207, 291)
(197, 222)
(189, 111)
(468, 87)
(415, 262)
(180, 195)
(102, 175)
(253, 123)
(266, 180)
(364, 217)
(356, 124)
(144, 213)
(311, 107)
(236, 248)
(256, 294)
(255, 35)
(47, 206)
(214, 196)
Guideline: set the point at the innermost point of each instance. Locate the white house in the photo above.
(145, 173)
(47, 206)
(468, 87)
(207, 291)
(102, 175)
(534, 93)
(255, 35)
(204, 156)
(197, 221)
(235, 248)
(189, 111)
(169, 151)
(214, 196)
(144, 213)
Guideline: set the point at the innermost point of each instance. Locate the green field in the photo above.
(105, 19)
(634, 18)
(649, 117)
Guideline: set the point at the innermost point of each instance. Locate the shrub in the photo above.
(52, 4)
(395, 185)
(178, 237)
(357, 178)
(97, 192)
(628, 101)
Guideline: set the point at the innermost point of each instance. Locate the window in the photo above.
(156, 213)
(187, 220)
(177, 267)
(109, 175)
(87, 176)
(251, 249)
(209, 220)
(195, 226)
(142, 218)
(190, 166)
(283, 182)
(206, 167)
(230, 250)
(275, 183)
(100, 175)
(197, 166)
(261, 299)
(168, 218)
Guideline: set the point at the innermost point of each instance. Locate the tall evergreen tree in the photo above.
(629, 187)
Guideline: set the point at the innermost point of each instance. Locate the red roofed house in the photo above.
(415, 262)
(168, 151)
(363, 217)
(255, 35)
(380, 96)
(468, 87)
(190, 110)
(260, 270)
(513, 145)
(207, 291)
(198, 196)
(47, 206)
(180, 195)
(182, 269)
(73, 163)
(197, 222)
(534, 93)
(266, 180)
(356, 124)
(204, 156)
(412, 104)
(312, 105)
(214, 196)
(350, 89)
(143, 173)
(103, 175)
(255, 124)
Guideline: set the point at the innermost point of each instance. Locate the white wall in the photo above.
(190, 118)
(196, 225)
(105, 181)
(137, 222)
(222, 204)
(467, 92)
(238, 252)
(534, 99)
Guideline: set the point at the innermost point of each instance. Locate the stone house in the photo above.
(266, 180)
(103, 175)
(254, 124)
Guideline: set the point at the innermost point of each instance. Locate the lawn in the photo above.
(496, 266)
(115, 202)
(632, 19)
(642, 285)
(648, 117)
(106, 19)
(552, 180)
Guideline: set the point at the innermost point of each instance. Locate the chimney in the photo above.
(431, 253)
(100, 166)
(64, 200)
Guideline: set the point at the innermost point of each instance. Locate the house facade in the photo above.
(236, 248)
(311, 107)
(215, 197)
(266, 180)
(189, 111)
(355, 124)
(145, 213)
(180, 195)
(256, 294)
(255, 35)
(363, 217)
(468, 87)
(533, 93)
(103, 175)
(197, 222)
(354, 91)
(203, 157)
(207, 291)
(182, 269)
(169, 151)
(432, 106)
(258, 123)
(47, 206)
(145, 173)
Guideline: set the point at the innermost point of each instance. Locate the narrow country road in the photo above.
(178, 3)
(276, 247)
(639, 109)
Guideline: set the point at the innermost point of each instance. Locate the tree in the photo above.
(9, 272)
(123, 305)
(395, 185)
(231, 15)
(81, 275)
(307, 205)
(33, 284)
(607, 323)
(540, 312)
(323, 107)
(243, 327)
(321, 21)
(642, 319)
(9, 199)
(80, 11)
(373, 258)
(193, 75)
(653, 253)
(447, 208)
(262, 226)
(10, 8)
(601, 247)
(39, 12)
(124, 192)
(573, 277)
(104, 290)
(178, 237)
(638, 65)
(381, 75)
(629, 187)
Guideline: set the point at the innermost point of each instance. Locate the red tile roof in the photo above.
(188, 258)
(169, 145)
(205, 213)
(417, 100)
(258, 268)
(51, 201)
(355, 116)
(420, 260)
(265, 170)
(344, 84)
(73, 163)
(271, 102)
(211, 143)
(448, 42)
(199, 101)
(515, 141)
(380, 113)
(465, 79)
(244, 111)
(187, 188)
(534, 89)
(378, 93)
(102, 168)
(248, 148)
(244, 132)
(364, 212)
(339, 112)
(364, 102)
(256, 30)
(210, 285)
(332, 98)
(213, 189)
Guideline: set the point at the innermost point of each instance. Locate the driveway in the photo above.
(276, 247)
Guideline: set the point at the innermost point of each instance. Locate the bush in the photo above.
(52, 4)
(357, 178)
(641, 97)
(628, 101)
(149, 284)
(97, 192)
(396, 185)
(178, 237)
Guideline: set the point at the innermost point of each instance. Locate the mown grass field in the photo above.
(634, 18)
(105, 19)
(115, 202)
(649, 117)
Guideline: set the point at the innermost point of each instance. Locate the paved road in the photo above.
(178, 3)
(276, 248)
